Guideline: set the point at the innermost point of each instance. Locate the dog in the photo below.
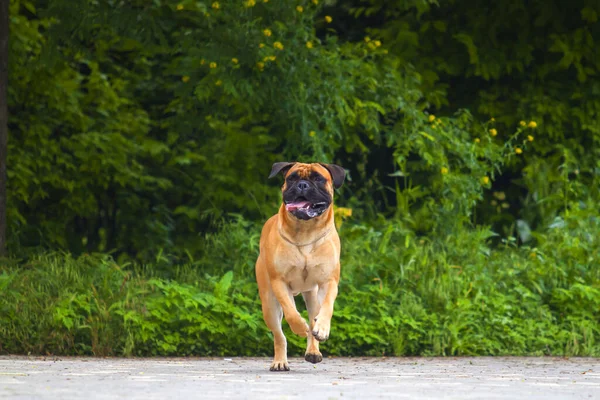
(300, 253)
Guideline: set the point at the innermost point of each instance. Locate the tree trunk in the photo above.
(3, 118)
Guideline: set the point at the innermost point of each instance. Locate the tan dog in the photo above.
(300, 253)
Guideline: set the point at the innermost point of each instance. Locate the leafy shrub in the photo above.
(399, 295)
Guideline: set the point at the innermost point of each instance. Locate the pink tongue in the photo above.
(297, 205)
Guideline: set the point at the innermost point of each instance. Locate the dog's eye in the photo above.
(292, 177)
(319, 179)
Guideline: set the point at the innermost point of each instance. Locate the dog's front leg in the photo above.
(292, 316)
(311, 299)
(328, 292)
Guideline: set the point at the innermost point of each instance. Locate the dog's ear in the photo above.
(280, 167)
(338, 174)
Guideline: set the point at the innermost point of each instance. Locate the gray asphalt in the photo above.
(334, 378)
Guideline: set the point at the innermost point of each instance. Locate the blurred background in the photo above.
(141, 134)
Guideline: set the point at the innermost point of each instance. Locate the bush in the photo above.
(452, 296)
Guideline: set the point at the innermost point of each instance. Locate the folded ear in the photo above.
(280, 167)
(338, 174)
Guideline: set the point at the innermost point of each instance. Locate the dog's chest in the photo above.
(305, 268)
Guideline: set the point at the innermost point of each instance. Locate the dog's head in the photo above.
(308, 188)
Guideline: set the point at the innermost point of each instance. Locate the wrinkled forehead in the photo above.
(304, 170)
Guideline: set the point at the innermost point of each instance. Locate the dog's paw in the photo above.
(299, 326)
(321, 328)
(279, 366)
(314, 358)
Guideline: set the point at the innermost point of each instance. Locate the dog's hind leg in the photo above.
(273, 315)
(313, 305)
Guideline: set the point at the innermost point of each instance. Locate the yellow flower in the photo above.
(532, 124)
(431, 118)
(532, 254)
(216, 5)
(492, 119)
(267, 32)
(185, 78)
(485, 180)
(343, 211)
(328, 19)
(522, 123)
(315, 2)
(493, 132)
(265, 1)
(260, 66)
(530, 138)
(179, 7)
(312, 133)
(202, 62)
(278, 45)
(518, 150)
(299, 9)
(309, 45)
(367, 39)
(477, 140)
(505, 205)
(341, 214)
(500, 195)
(261, 45)
(213, 65)
(250, 3)
(269, 58)
(444, 170)
(218, 83)
(377, 43)
(372, 45)
(235, 60)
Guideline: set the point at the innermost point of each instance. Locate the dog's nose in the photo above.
(303, 186)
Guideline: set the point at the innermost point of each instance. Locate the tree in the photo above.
(511, 63)
(3, 118)
(136, 126)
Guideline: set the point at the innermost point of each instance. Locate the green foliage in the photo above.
(527, 60)
(186, 320)
(140, 138)
(55, 304)
(58, 304)
(77, 142)
(134, 139)
(399, 295)
(146, 130)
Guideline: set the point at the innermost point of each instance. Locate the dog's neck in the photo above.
(303, 232)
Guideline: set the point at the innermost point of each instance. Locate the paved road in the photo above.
(334, 378)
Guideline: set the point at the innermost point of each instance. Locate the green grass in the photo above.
(399, 295)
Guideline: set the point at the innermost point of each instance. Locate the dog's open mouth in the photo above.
(304, 208)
